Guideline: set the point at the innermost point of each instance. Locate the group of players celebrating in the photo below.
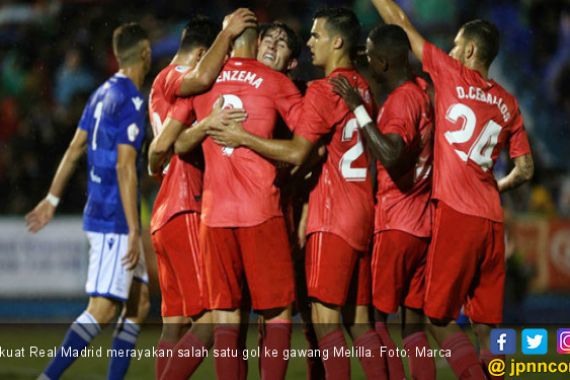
(222, 231)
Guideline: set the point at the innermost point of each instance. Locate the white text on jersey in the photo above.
(475, 93)
(240, 76)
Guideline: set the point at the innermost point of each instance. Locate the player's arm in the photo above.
(293, 151)
(521, 173)
(193, 136)
(387, 148)
(205, 73)
(161, 146)
(391, 13)
(127, 179)
(44, 210)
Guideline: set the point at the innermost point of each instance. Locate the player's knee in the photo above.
(440, 322)
(104, 311)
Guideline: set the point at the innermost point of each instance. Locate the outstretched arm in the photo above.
(293, 151)
(521, 173)
(387, 148)
(391, 13)
(204, 74)
(44, 210)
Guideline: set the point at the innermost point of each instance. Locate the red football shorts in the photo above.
(180, 266)
(466, 266)
(337, 274)
(398, 266)
(261, 251)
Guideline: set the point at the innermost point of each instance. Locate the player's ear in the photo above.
(338, 42)
(293, 63)
(470, 49)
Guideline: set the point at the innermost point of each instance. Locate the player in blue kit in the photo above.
(111, 130)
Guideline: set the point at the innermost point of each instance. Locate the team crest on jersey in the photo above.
(132, 132)
(138, 102)
(181, 68)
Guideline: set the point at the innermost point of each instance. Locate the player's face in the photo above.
(376, 68)
(273, 50)
(458, 51)
(320, 43)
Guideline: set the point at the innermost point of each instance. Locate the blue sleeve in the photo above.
(130, 120)
(85, 117)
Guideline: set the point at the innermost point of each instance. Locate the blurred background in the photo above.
(54, 53)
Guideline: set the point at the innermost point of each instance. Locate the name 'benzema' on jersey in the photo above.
(240, 76)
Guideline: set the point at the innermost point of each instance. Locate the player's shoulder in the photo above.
(122, 92)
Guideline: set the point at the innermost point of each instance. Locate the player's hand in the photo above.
(238, 21)
(349, 94)
(222, 117)
(231, 135)
(131, 258)
(39, 216)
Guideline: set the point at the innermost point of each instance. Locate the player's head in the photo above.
(279, 46)
(199, 33)
(132, 46)
(334, 33)
(476, 42)
(387, 48)
(246, 43)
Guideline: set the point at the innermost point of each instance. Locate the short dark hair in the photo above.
(125, 38)
(200, 31)
(343, 21)
(293, 41)
(486, 36)
(390, 41)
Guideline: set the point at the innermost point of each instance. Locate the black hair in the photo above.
(200, 31)
(293, 42)
(125, 38)
(486, 37)
(390, 41)
(343, 21)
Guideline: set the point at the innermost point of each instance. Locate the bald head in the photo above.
(246, 39)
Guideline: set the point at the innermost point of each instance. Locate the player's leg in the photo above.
(102, 307)
(99, 312)
(330, 264)
(415, 341)
(388, 283)
(269, 272)
(485, 303)
(356, 319)
(134, 310)
(452, 265)
(224, 273)
(180, 238)
(172, 309)
(127, 329)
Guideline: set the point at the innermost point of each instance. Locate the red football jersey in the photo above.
(342, 201)
(475, 119)
(404, 203)
(181, 186)
(239, 188)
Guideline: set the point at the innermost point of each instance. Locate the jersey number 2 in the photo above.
(345, 165)
(481, 151)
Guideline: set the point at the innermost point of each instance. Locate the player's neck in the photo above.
(338, 62)
(395, 80)
(134, 73)
(481, 69)
(185, 59)
(244, 51)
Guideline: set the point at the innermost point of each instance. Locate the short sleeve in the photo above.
(289, 102)
(436, 62)
(130, 121)
(174, 81)
(401, 115)
(182, 111)
(518, 140)
(84, 121)
(312, 119)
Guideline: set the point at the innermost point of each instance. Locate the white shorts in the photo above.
(107, 277)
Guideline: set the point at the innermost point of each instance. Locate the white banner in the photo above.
(52, 262)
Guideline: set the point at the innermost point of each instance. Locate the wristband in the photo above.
(52, 199)
(362, 116)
